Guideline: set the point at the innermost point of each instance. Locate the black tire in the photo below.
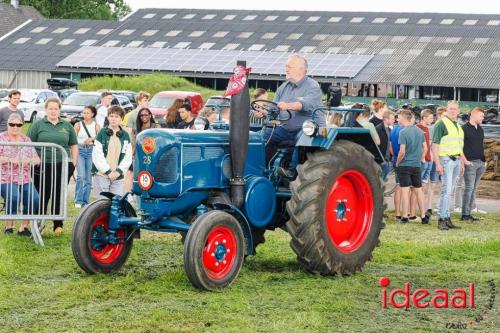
(214, 250)
(318, 241)
(98, 257)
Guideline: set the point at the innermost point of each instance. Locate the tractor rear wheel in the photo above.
(214, 250)
(336, 210)
(91, 249)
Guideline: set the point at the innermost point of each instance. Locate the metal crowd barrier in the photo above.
(37, 177)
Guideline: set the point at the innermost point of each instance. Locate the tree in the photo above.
(79, 9)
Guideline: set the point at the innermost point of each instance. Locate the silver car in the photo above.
(32, 102)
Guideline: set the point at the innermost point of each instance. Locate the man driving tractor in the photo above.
(301, 95)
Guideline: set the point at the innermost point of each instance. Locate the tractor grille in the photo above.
(166, 169)
(213, 152)
(191, 154)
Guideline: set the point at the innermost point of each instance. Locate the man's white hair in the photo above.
(301, 58)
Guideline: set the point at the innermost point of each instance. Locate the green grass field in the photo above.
(43, 290)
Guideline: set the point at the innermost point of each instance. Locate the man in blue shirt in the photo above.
(300, 95)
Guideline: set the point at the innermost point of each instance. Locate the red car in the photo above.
(163, 99)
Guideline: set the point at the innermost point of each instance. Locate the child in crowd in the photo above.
(112, 155)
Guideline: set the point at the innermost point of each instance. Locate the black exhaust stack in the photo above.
(238, 139)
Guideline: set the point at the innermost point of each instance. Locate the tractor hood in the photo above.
(181, 160)
(189, 136)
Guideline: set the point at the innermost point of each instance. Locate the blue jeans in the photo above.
(12, 193)
(426, 171)
(84, 178)
(279, 134)
(434, 175)
(451, 170)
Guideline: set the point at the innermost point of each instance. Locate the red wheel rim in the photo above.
(219, 253)
(104, 253)
(349, 211)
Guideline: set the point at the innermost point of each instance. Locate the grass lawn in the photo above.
(42, 289)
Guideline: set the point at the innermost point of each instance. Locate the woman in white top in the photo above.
(86, 131)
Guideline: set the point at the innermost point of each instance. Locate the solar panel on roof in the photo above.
(199, 60)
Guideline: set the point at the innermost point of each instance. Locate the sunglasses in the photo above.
(15, 125)
(145, 115)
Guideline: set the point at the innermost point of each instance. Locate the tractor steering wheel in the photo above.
(271, 112)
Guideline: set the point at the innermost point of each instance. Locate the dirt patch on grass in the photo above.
(489, 189)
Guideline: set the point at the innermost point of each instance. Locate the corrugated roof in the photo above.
(408, 48)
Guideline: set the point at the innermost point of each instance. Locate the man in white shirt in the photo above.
(102, 112)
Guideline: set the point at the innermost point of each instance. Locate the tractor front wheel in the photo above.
(214, 250)
(91, 248)
(336, 209)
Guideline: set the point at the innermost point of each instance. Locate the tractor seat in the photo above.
(286, 144)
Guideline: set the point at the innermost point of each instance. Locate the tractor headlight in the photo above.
(309, 127)
(201, 124)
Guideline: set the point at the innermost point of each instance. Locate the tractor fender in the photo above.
(325, 141)
(127, 208)
(247, 231)
(108, 195)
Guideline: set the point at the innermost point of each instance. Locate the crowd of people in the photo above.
(438, 151)
(429, 153)
(101, 148)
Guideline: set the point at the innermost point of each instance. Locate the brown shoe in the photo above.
(58, 231)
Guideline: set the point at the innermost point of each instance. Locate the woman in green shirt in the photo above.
(47, 179)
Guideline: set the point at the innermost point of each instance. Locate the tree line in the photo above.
(79, 9)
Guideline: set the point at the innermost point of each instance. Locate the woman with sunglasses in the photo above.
(144, 121)
(16, 167)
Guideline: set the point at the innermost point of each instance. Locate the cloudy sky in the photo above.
(440, 6)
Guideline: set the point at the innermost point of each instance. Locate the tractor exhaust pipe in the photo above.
(239, 127)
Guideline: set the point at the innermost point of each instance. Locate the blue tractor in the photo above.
(216, 188)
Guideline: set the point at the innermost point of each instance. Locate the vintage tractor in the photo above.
(217, 188)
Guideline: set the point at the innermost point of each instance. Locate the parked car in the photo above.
(74, 104)
(57, 84)
(218, 100)
(163, 99)
(127, 93)
(64, 93)
(125, 103)
(491, 98)
(32, 102)
(4, 93)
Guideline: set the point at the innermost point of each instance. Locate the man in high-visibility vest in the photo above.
(447, 151)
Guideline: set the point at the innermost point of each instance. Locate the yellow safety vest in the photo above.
(451, 144)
